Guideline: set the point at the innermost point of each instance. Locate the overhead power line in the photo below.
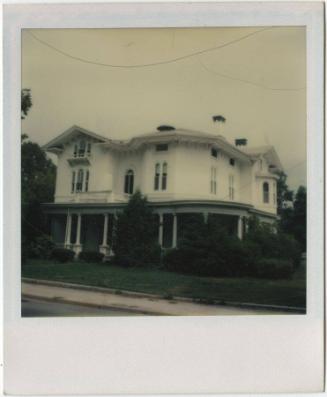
(266, 87)
(148, 64)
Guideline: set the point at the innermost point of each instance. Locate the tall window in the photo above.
(164, 177)
(73, 181)
(80, 179)
(87, 177)
(231, 190)
(157, 177)
(213, 181)
(75, 150)
(129, 182)
(274, 193)
(265, 191)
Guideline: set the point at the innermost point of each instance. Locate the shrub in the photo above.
(41, 247)
(63, 254)
(91, 256)
(274, 268)
(135, 238)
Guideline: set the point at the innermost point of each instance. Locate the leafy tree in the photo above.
(284, 194)
(26, 102)
(135, 237)
(37, 186)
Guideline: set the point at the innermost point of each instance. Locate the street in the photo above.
(39, 308)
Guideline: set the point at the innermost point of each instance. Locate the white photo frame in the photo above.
(157, 355)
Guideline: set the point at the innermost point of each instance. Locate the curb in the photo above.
(247, 305)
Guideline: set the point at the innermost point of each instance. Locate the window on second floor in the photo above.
(213, 181)
(274, 193)
(231, 190)
(164, 177)
(265, 192)
(157, 176)
(232, 162)
(129, 182)
(80, 180)
(160, 176)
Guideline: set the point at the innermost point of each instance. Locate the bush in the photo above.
(135, 238)
(63, 254)
(41, 247)
(91, 256)
(274, 268)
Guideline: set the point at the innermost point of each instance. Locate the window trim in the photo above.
(231, 188)
(265, 192)
(129, 181)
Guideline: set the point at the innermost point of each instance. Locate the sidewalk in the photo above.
(146, 304)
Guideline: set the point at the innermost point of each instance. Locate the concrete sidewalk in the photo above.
(132, 301)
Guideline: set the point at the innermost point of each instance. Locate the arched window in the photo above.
(129, 182)
(265, 191)
(164, 177)
(80, 179)
(157, 176)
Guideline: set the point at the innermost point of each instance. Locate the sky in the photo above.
(121, 83)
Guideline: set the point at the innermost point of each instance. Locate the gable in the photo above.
(57, 144)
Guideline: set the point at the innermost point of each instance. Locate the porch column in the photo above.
(104, 246)
(205, 217)
(240, 227)
(77, 246)
(160, 240)
(105, 229)
(68, 229)
(78, 233)
(174, 231)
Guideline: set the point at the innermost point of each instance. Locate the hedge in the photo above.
(63, 254)
(91, 256)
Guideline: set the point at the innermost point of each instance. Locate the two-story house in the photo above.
(180, 171)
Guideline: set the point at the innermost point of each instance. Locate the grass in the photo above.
(166, 284)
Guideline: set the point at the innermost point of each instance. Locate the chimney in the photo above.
(241, 142)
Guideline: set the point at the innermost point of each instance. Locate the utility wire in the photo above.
(247, 81)
(148, 64)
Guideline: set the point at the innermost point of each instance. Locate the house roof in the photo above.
(55, 144)
(268, 152)
(177, 135)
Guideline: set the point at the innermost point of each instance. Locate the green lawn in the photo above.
(247, 290)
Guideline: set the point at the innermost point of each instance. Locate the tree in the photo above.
(300, 217)
(136, 234)
(37, 185)
(284, 194)
(26, 102)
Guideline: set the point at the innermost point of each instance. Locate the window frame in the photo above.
(265, 192)
(129, 182)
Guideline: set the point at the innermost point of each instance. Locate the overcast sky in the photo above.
(255, 78)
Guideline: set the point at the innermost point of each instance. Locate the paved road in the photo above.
(38, 308)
